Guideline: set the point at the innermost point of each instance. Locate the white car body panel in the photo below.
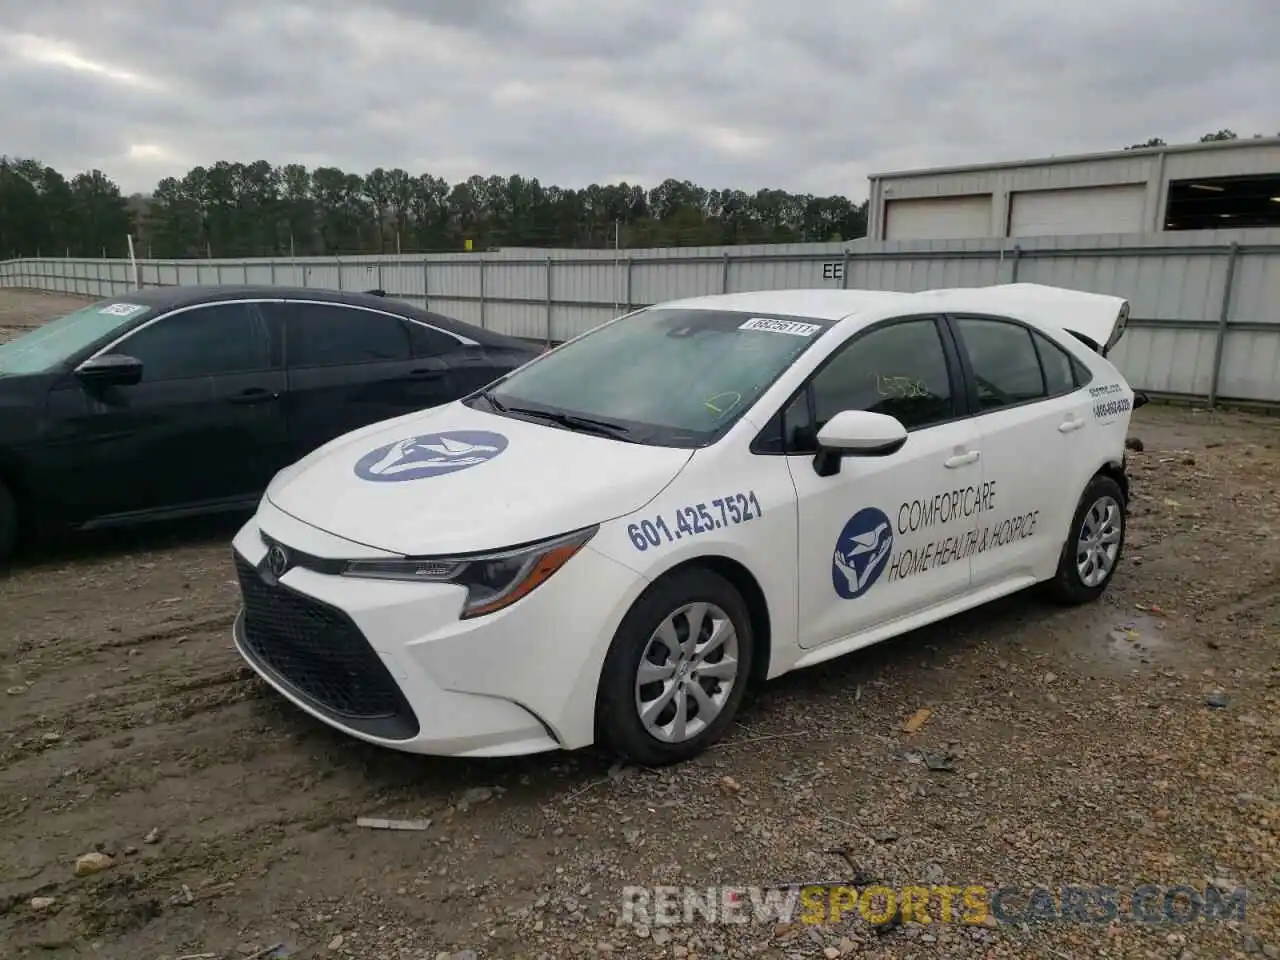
(525, 678)
(566, 480)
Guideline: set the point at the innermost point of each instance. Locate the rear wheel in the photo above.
(677, 670)
(8, 524)
(1094, 545)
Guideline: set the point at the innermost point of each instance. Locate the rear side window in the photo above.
(430, 343)
(1006, 366)
(325, 335)
(1059, 371)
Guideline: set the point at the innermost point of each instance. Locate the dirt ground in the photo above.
(1134, 741)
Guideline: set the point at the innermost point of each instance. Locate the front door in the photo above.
(886, 536)
(204, 425)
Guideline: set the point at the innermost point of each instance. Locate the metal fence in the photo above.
(1205, 306)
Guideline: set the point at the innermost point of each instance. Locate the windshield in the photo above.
(665, 376)
(48, 346)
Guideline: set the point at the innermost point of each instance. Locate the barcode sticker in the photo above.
(792, 327)
(121, 309)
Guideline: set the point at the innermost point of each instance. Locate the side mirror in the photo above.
(1140, 399)
(110, 370)
(857, 433)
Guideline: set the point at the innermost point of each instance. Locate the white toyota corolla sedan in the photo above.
(610, 543)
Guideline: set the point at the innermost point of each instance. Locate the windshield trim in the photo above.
(652, 434)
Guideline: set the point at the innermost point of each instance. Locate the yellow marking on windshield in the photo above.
(902, 388)
(711, 402)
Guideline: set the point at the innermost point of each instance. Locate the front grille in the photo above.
(320, 655)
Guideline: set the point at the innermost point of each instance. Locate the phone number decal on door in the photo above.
(695, 520)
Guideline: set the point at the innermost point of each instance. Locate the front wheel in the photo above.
(676, 671)
(1094, 545)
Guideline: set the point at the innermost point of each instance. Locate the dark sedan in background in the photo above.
(178, 401)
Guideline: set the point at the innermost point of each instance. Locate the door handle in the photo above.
(1069, 426)
(962, 459)
(426, 373)
(254, 395)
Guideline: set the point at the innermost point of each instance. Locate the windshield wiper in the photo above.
(488, 397)
(603, 428)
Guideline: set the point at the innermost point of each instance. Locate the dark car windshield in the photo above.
(673, 377)
(49, 346)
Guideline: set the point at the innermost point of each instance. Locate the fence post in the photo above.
(844, 270)
(273, 272)
(1017, 259)
(380, 286)
(724, 274)
(481, 264)
(338, 261)
(1224, 318)
(217, 275)
(426, 284)
(549, 301)
(627, 291)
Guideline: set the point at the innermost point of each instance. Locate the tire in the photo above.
(619, 725)
(8, 524)
(1070, 584)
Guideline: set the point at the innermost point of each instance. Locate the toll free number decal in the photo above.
(1104, 409)
(694, 520)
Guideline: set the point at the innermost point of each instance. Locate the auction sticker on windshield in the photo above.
(122, 309)
(792, 327)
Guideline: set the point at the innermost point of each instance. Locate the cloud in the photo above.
(804, 96)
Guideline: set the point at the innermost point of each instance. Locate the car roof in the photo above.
(1093, 315)
(175, 297)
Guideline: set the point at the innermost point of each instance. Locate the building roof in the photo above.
(1240, 144)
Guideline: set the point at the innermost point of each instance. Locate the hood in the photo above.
(1096, 318)
(453, 479)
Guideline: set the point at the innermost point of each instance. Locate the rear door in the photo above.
(1034, 422)
(350, 366)
(204, 424)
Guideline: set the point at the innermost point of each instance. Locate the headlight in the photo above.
(493, 580)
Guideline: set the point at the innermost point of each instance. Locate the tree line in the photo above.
(1223, 134)
(260, 210)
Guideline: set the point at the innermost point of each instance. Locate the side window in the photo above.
(430, 343)
(1059, 374)
(215, 340)
(1004, 360)
(324, 335)
(900, 370)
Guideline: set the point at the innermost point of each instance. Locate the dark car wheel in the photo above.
(8, 524)
(676, 671)
(1094, 544)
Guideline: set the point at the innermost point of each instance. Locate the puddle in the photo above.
(1119, 644)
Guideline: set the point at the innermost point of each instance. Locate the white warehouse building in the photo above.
(1198, 186)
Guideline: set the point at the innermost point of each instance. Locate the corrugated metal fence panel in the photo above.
(1176, 283)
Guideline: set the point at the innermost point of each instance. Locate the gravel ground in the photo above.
(1130, 742)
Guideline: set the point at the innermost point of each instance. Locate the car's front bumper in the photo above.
(391, 663)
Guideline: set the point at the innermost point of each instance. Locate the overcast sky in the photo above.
(803, 95)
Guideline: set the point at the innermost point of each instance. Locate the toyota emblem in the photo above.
(277, 560)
